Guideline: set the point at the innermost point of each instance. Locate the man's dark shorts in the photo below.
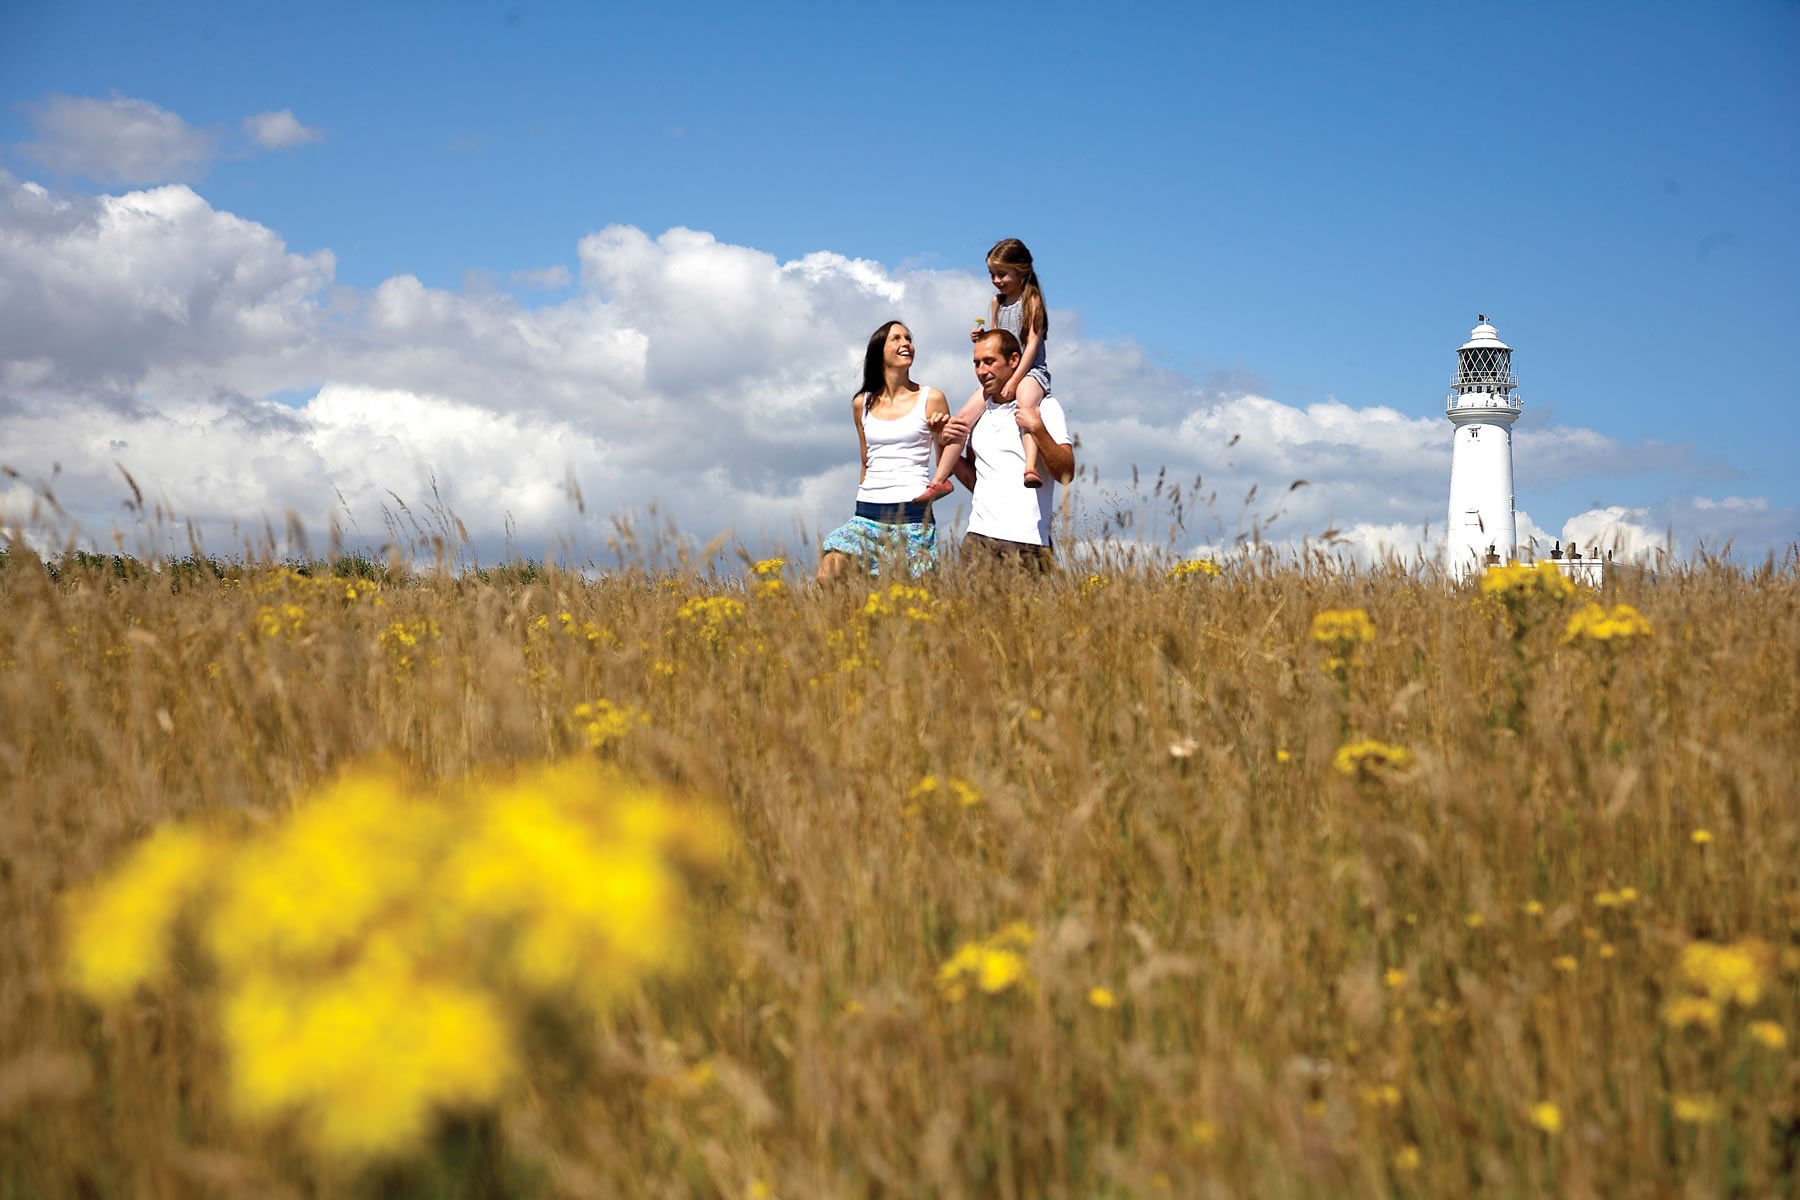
(1035, 560)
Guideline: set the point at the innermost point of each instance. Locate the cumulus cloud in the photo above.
(707, 381)
(98, 294)
(116, 141)
(278, 130)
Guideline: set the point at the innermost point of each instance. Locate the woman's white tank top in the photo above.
(899, 456)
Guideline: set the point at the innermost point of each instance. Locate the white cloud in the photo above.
(99, 294)
(116, 140)
(709, 380)
(278, 130)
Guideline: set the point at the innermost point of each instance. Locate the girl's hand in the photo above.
(1009, 391)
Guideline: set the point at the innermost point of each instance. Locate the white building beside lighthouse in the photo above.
(1483, 407)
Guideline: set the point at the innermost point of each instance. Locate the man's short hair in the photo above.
(1009, 345)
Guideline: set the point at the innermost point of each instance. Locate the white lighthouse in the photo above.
(1482, 408)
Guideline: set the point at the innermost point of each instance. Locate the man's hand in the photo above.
(957, 430)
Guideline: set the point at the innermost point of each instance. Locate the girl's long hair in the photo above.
(1011, 252)
(874, 369)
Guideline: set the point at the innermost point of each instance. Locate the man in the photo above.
(1010, 523)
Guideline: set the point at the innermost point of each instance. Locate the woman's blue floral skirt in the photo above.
(872, 542)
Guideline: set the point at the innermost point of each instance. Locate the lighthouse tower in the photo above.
(1482, 408)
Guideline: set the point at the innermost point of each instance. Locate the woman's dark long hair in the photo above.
(874, 367)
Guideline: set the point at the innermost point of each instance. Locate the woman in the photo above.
(897, 424)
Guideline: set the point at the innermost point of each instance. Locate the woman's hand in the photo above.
(936, 421)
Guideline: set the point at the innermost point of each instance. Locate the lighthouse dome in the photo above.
(1484, 336)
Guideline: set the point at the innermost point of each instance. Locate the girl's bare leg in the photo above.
(1030, 397)
(940, 485)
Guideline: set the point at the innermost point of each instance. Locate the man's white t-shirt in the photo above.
(1004, 507)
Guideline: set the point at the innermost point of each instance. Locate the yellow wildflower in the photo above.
(1407, 1158)
(1595, 623)
(711, 616)
(283, 619)
(1203, 1133)
(1395, 978)
(961, 791)
(1103, 998)
(901, 600)
(1474, 920)
(1534, 908)
(121, 930)
(1369, 759)
(1517, 582)
(602, 722)
(1384, 1096)
(401, 639)
(1701, 837)
(375, 948)
(1282, 756)
(994, 965)
(1342, 627)
(1545, 1115)
(1188, 568)
(1769, 1034)
(1094, 583)
(1687, 1012)
(1565, 963)
(1694, 1110)
(1735, 973)
(765, 576)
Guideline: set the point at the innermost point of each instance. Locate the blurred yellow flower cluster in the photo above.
(1341, 631)
(930, 788)
(281, 620)
(601, 722)
(293, 597)
(901, 600)
(765, 576)
(311, 587)
(1094, 583)
(992, 965)
(1369, 759)
(1595, 623)
(1188, 568)
(711, 616)
(402, 639)
(588, 631)
(1518, 582)
(378, 949)
(1731, 973)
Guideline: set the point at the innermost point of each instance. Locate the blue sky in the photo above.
(1299, 203)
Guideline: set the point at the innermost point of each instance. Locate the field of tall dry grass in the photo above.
(1280, 881)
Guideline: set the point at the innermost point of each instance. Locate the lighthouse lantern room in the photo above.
(1483, 406)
